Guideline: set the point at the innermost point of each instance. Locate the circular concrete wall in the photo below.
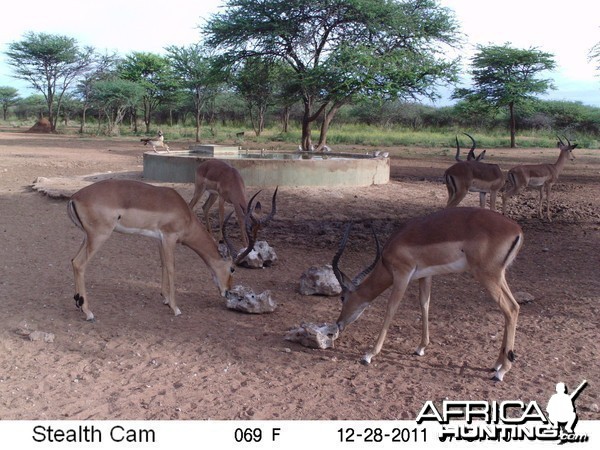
(281, 169)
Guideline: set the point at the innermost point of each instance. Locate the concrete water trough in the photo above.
(272, 168)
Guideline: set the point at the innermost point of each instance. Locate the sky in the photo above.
(568, 30)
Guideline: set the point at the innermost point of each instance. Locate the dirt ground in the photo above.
(138, 361)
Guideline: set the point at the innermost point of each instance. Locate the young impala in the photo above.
(133, 207)
(224, 182)
(472, 175)
(452, 240)
(539, 176)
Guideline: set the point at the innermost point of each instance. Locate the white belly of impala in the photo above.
(460, 265)
(536, 182)
(156, 234)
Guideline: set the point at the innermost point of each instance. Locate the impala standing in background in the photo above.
(158, 141)
(539, 176)
(224, 182)
(472, 175)
(134, 207)
(452, 240)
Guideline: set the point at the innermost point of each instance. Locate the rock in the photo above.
(263, 255)
(319, 281)
(314, 335)
(41, 336)
(523, 297)
(241, 298)
(26, 329)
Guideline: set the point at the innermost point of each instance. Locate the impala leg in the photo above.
(239, 213)
(482, 199)
(164, 289)
(493, 195)
(502, 295)
(198, 191)
(394, 301)
(89, 247)
(540, 215)
(167, 258)
(455, 195)
(221, 217)
(424, 297)
(505, 198)
(548, 188)
(210, 201)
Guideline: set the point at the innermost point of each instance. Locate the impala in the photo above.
(452, 240)
(133, 207)
(539, 176)
(158, 141)
(224, 182)
(471, 155)
(472, 175)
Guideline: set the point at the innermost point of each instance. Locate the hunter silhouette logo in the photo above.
(510, 420)
(561, 407)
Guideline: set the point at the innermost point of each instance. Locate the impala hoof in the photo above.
(498, 376)
(366, 360)
(91, 319)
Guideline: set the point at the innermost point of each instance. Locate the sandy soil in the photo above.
(138, 361)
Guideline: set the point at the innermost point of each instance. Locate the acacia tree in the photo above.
(341, 49)
(504, 76)
(9, 96)
(50, 64)
(152, 72)
(114, 97)
(103, 67)
(194, 68)
(257, 82)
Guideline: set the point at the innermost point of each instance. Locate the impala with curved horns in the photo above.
(133, 207)
(539, 176)
(472, 175)
(225, 183)
(471, 155)
(452, 240)
(252, 226)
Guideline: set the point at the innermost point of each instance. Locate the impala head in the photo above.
(471, 155)
(568, 147)
(222, 275)
(353, 304)
(253, 226)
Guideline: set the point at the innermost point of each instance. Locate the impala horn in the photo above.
(345, 281)
(252, 225)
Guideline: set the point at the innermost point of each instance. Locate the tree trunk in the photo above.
(83, 113)
(285, 118)
(511, 107)
(325, 125)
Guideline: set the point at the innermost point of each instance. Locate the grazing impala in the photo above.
(472, 175)
(134, 207)
(539, 176)
(224, 182)
(452, 240)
